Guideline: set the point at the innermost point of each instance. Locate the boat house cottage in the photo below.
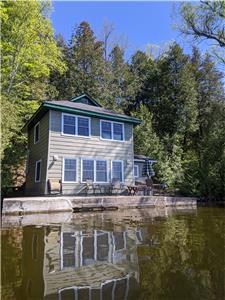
(78, 141)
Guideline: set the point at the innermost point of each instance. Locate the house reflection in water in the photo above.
(91, 264)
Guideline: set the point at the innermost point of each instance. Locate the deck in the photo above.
(47, 204)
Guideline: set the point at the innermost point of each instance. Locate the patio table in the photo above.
(132, 189)
(106, 189)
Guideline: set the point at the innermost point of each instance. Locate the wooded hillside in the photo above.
(179, 97)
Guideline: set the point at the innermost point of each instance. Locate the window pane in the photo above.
(83, 126)
(106, 130)
(68, 250)
(101, 171)
(69, 125)
(37, 133)
(70, 169)
(70, 176)
(88, 170)
(38, 171)
(117, 131)
(135, 171)
(117, 170)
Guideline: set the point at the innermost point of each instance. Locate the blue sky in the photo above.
(141, 23)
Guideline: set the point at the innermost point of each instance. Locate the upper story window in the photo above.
(112, 130)
(106, 130)
(75, 125)
(37, 133)
(136, 171)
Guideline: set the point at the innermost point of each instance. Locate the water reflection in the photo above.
(104, 257)
(91, 264)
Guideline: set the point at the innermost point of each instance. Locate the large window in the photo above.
(38, 171)
(88, 169)
(70, 170)
(95, 170)
(101, 171)
(75, 125)
(112, 130)
(37, 133)
(117, 170)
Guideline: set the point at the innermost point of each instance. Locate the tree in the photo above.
(85, 62)
(108, 29)
(29, 53)
(209, 139)
(29, 50)
(59, 81)
(146, 141)
(205, 21)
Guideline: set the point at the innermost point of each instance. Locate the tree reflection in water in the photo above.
(106, 257)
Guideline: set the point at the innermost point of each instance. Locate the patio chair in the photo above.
(149, 187)
(91, 187)
(54, 186)
(116, 186)
(141, 184)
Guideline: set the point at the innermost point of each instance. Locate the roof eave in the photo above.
(47, 106)
(38, 111)
(89, 113)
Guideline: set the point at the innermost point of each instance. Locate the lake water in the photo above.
(132, 254)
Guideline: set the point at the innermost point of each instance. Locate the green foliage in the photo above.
(29, 50)
(205, 21)
(146, 141)
(186, 98)
(29, 54)
(84, 58)
(179, 97)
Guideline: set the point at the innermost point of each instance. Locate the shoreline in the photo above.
(51, 204)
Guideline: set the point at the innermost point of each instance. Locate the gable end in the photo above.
(86, 99)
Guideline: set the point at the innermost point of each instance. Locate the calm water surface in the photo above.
(137, 254)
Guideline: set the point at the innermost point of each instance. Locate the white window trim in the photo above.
(38, 124)
(112, 131)
(63, 168)
(136, 166)
(76, 124)
(95, 159)
(122, 169)
(38, 161)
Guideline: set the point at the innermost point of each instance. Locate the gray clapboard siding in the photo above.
(38, 151)
(92, 147)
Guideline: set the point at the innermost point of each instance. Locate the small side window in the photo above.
(37, 133)
(136, 171)
(38, 171)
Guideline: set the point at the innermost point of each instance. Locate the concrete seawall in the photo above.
(47, 204)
